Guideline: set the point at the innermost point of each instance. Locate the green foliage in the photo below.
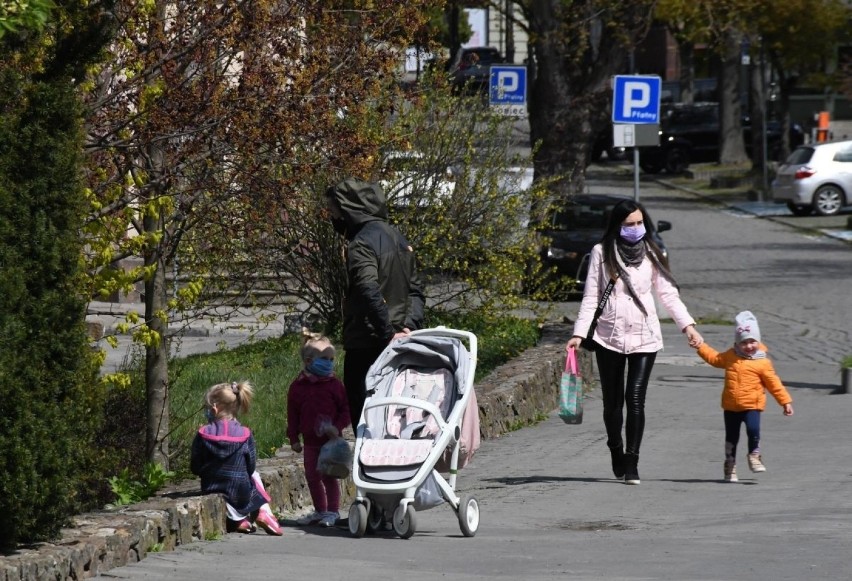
(499, 338)
(18, 16)
(128, 490)
(846, 361)
(48, 373)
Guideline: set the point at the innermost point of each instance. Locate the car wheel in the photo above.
(828, 200)
(799, 210)
(677, 160)
(652, 167)
(616, 153)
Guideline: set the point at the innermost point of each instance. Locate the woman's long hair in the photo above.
(612, 238)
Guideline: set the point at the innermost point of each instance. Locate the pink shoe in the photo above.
(269, 523)
(242, 526)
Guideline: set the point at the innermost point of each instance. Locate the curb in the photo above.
(514, 395)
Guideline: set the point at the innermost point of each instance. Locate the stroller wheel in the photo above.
(404, 524)
(468, 513)
(376, 519)
(357, 519)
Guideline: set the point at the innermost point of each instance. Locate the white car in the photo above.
(408, 179)
(816, 178)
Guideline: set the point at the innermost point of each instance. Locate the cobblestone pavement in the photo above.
(549, 505)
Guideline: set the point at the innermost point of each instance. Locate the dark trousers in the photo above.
(733, 420)
(355, 366)
(616, 393)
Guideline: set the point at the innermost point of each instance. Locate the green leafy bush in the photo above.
(127, 490)
(48, 373)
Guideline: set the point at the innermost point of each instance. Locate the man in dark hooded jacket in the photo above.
(384, 300)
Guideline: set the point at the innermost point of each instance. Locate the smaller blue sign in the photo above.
(507, 85)
(636, 99)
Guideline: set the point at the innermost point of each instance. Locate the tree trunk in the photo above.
(757, 113)
(574, 54)
(731, 146)
(687, 72)
(156, 355)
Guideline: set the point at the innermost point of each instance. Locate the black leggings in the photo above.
(611, 367)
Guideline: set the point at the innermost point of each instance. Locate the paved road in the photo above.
(550, 507)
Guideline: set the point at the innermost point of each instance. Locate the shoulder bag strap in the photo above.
(599, 310)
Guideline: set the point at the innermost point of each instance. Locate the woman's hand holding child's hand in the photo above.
(693, 337)
(788, 409)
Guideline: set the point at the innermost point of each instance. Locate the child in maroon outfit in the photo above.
(317, 409)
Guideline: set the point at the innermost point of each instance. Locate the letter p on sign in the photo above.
(636, 96)
(507, 81)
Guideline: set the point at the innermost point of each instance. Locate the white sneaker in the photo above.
(730, 472)
(755, 462)
(310, 519)
(329, 519)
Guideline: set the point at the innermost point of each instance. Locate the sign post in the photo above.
(636, 102)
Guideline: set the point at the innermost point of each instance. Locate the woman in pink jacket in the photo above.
(627, 335)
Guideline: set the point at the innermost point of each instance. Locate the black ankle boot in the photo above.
(617, 461)
(631, 468)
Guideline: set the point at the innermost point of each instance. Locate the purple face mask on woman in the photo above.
(633, 234)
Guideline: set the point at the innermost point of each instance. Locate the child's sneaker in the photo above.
(243, 526)
(329, 519)
(269, 523)
(755, 462)
(310, 519)
(730, 471)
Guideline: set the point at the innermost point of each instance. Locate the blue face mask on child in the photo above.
(321, 367)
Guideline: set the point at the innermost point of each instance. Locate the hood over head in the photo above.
(360, 202)
(224, 437)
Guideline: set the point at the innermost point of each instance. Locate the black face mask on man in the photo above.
(339, 225)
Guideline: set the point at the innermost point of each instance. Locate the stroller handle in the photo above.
(442, 331)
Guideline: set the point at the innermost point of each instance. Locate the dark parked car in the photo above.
(471, 68)
(573, 229)
(690, 133)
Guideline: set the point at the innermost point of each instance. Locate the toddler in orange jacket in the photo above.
(748, 375)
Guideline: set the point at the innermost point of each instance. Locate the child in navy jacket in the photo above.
(224, 455)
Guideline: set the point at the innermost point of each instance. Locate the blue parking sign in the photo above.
(636, 99)
(507, 85)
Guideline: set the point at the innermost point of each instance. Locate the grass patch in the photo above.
(846, 361)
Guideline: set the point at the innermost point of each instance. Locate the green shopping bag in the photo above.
(571, 391)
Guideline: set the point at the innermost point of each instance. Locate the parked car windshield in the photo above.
(580, 217)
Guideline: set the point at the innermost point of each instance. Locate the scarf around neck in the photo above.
(633, 255)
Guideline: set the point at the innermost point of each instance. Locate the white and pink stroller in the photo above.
(420, 420)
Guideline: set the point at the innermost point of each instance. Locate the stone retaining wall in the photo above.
(519, 393)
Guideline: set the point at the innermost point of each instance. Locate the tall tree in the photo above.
(207, 120)
(576, 47)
